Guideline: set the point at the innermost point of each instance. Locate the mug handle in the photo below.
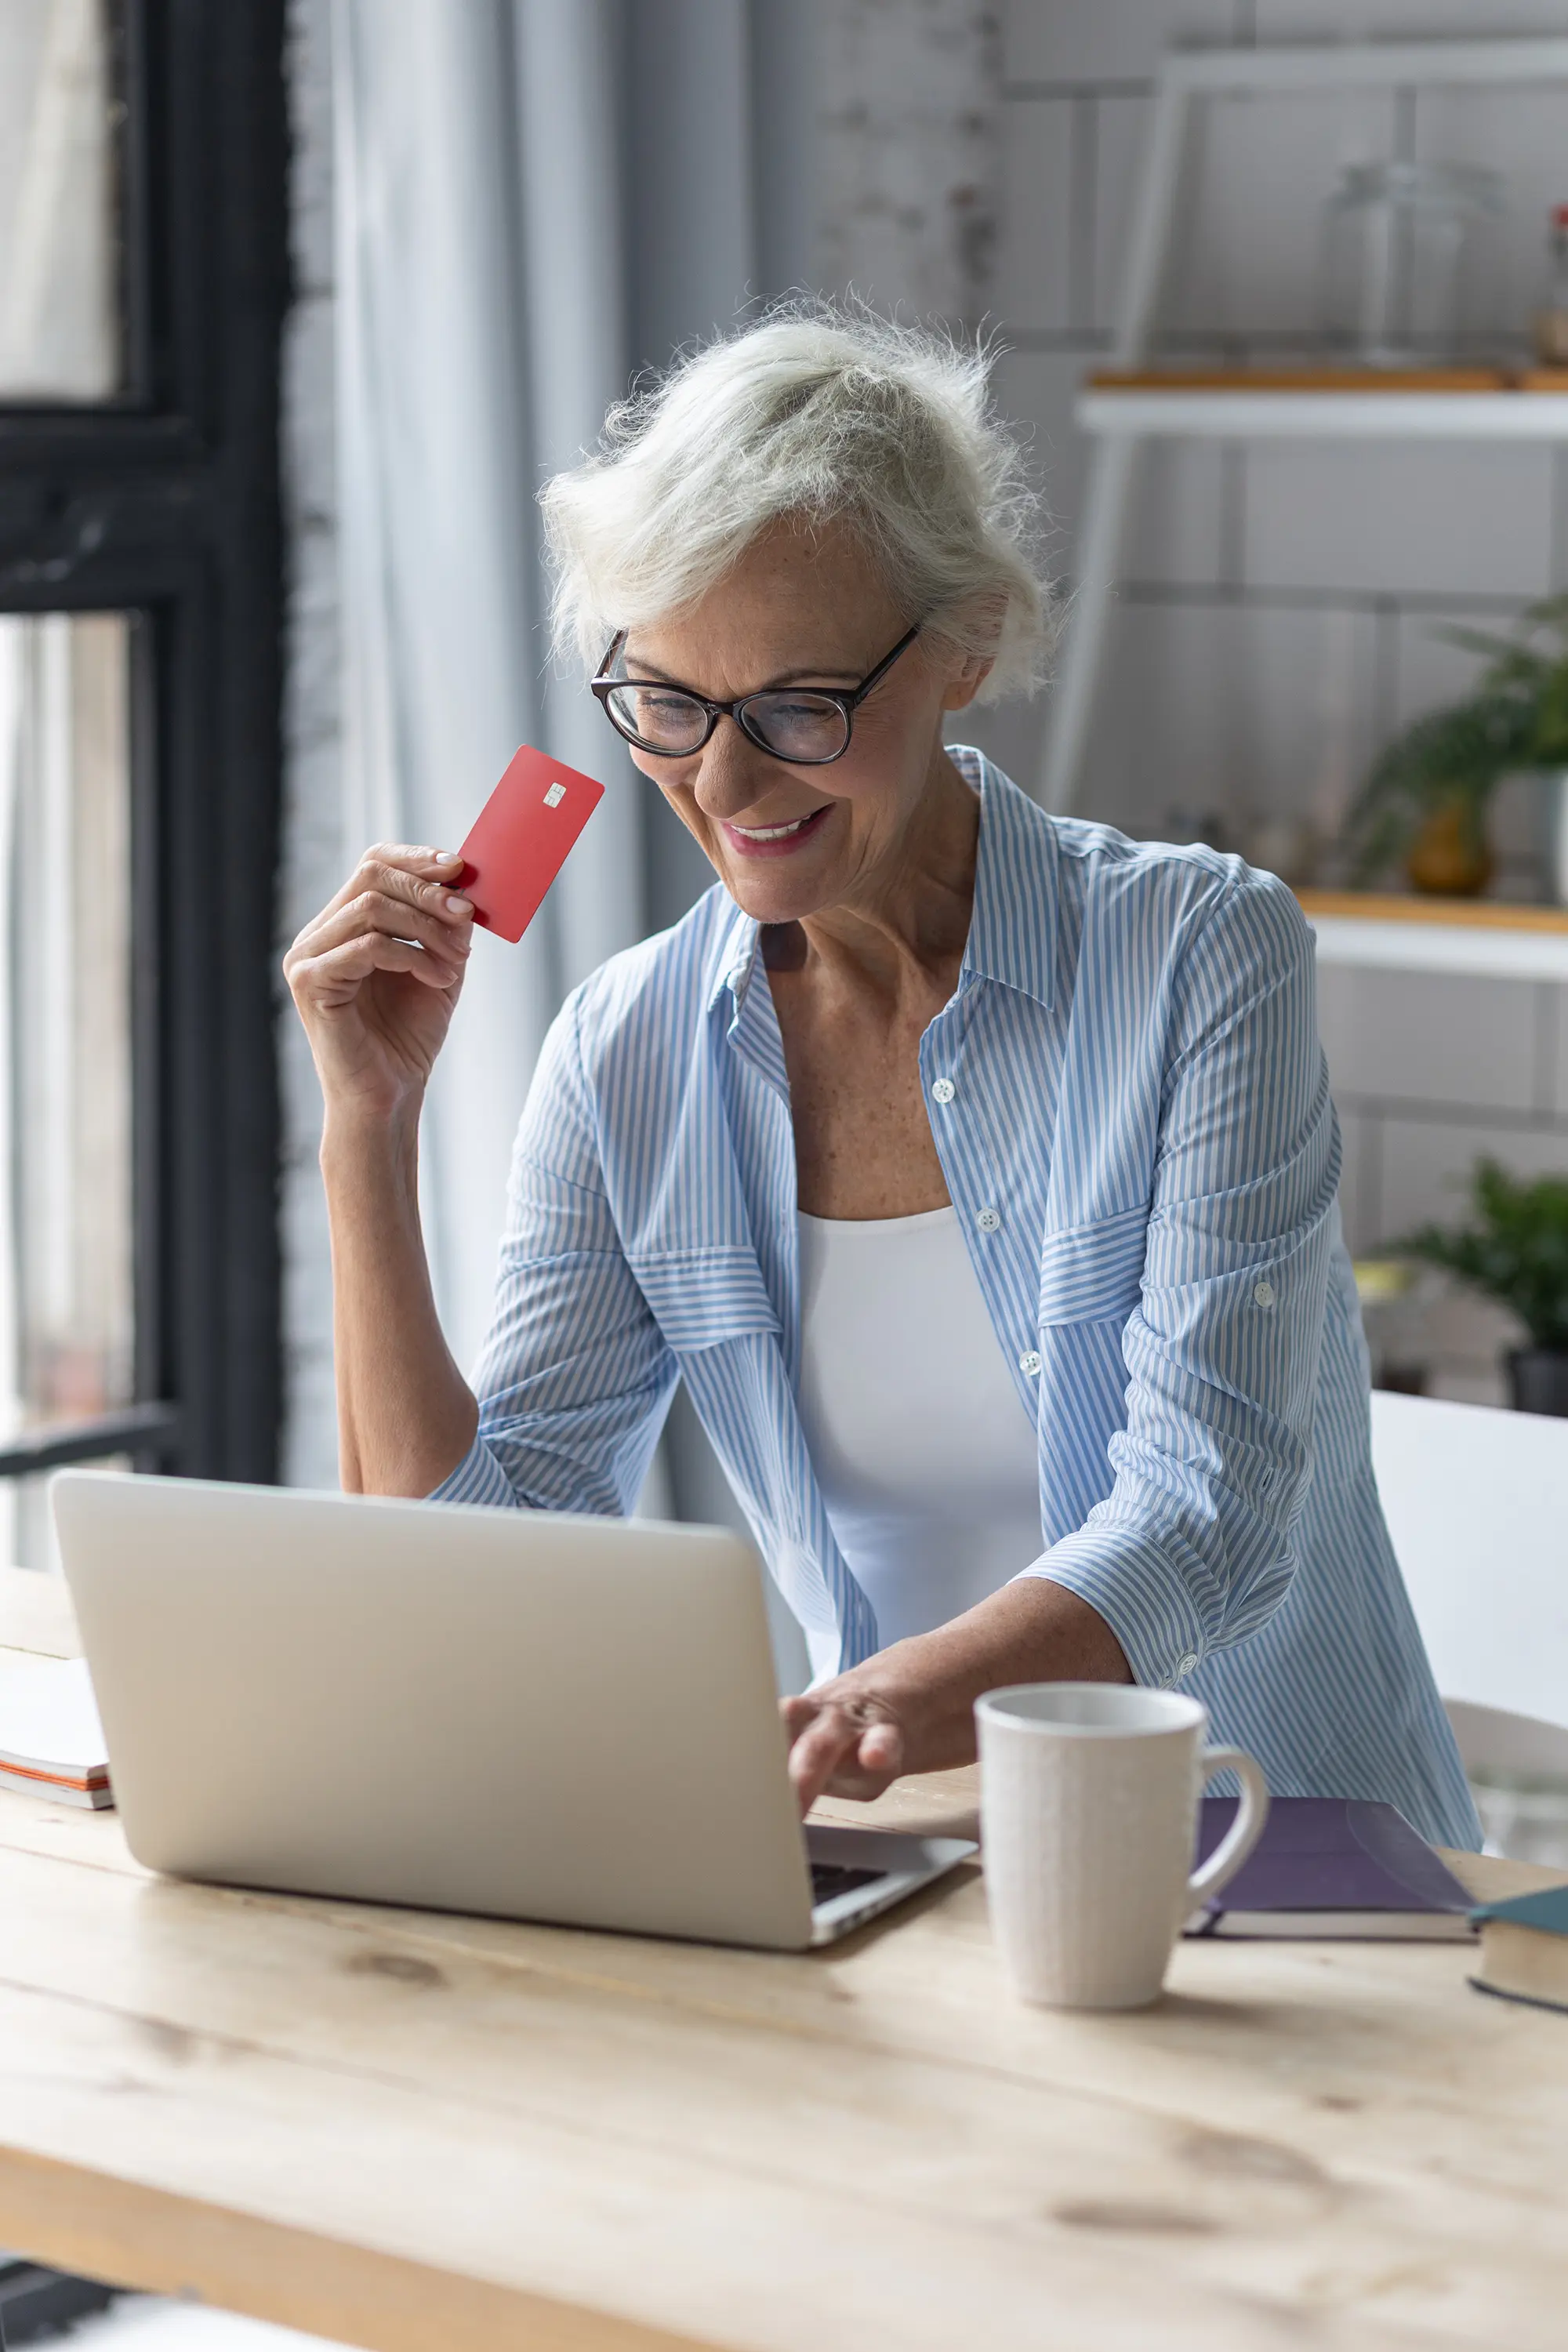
(1252, 1815)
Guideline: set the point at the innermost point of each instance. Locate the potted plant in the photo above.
(1425, 800)
(1515, 1249)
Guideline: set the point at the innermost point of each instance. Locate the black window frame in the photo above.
(164, 503)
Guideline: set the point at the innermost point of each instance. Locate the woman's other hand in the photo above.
(376, 974)
(845, 1738)
(911, 1707)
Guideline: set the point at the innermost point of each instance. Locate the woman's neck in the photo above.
(908, 927)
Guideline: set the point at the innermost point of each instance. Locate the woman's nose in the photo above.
(732, 773)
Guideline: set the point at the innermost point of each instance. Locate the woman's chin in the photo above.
(776, 897)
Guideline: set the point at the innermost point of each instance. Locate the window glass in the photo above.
(67, 1326)
(27, 1524)
(59, 304)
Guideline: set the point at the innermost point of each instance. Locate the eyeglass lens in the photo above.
(792, 724)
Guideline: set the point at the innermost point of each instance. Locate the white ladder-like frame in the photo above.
(1187, 76)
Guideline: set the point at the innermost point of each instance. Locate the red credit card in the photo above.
(522, 837)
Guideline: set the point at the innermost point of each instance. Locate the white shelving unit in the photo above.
(1121, 419)
(1213, 416)
(1480, 941)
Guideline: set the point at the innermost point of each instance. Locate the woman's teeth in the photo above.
(774, 832)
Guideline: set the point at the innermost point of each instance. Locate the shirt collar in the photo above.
(735, 958)
(1013, 929)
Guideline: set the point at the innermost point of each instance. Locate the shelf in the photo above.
(1481, 937)
(1369, 381)
(1456, 404)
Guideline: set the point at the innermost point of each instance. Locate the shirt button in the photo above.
(989, 1220)
(1184, 1665)
(1264, 1293)
(943, 1090)
(1029, 1362)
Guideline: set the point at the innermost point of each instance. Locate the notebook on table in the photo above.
(1334, 1867)
(1524, 1948)
(51, 1742)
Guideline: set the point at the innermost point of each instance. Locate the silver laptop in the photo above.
(511, 1712)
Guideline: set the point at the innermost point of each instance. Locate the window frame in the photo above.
(163, 503)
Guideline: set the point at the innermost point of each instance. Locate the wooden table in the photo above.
(403, 2130)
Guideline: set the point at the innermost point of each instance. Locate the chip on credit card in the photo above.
(522, 837)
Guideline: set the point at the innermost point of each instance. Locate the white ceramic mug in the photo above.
(1088, 1800)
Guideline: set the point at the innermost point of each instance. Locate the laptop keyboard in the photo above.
(831, 1878)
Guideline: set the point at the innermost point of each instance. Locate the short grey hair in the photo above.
(819, 413)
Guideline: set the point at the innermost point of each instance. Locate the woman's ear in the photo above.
(971, 669)
(961, 689)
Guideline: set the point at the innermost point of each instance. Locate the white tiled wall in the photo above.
(1105, 40)
(1281, 605)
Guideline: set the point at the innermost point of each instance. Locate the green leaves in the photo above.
(1517, 718)
(1515, 1250)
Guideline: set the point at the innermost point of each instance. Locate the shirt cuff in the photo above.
(477, 1478)
(1139, 1592)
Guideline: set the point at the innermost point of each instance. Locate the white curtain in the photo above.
(534, 199)
(448, 407)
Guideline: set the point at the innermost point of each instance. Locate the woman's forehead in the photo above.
(791, 608)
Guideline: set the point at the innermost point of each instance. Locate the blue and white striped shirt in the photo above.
(1137, 1086)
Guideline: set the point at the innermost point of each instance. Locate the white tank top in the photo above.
(926, 1458)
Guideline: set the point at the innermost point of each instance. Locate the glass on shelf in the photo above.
(60, 333)
(1410, 264)
(66, 1295)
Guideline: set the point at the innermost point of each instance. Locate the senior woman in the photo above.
(974, 1169)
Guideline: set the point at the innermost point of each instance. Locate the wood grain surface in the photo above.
(405, 2130)
(1397, 906)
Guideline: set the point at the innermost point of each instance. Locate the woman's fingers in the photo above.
(420, 877)
(337, 975)
(881, 1750)
(837, 1747)
(817, 1752)
(376, 911)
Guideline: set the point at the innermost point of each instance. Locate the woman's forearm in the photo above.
(405, 1415)
(1032, 1631)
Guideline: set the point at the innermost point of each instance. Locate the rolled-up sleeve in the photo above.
(1191, 1550)
(574, 1377)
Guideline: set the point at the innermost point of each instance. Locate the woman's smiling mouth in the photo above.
(775, 840)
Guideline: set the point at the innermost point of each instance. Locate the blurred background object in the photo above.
(143, 210)
(1396, 1302)
(66, 1309)
(1514, 1251)
(1411, 262)
(1551, 323)
(61, 320)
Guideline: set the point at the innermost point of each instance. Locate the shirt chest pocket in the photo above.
(1094, 1273)
(701, 1298)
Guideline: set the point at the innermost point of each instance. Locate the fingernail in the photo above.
(455, 906)
(446, 857)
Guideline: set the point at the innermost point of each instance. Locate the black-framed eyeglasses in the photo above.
(810, 726)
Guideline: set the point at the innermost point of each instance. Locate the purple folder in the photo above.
(1332, 1866)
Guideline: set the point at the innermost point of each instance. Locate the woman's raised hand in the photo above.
(376, 973)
